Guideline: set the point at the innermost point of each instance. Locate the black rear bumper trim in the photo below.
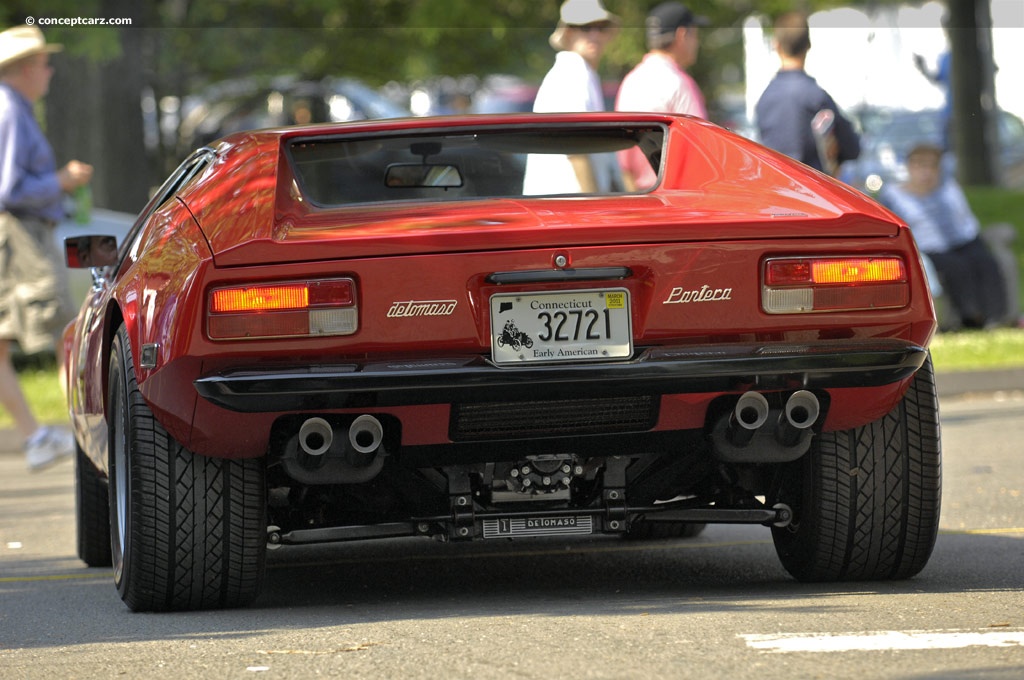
(660, 370)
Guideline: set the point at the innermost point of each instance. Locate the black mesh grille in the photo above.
(556, 418)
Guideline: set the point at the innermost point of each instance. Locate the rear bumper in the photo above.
(660, 370)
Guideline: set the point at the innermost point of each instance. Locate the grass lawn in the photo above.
(43, 392)
(978, 350)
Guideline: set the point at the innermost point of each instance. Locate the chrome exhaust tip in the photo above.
(365, 434)
(750, 414)
(800, 412)
(315, 436)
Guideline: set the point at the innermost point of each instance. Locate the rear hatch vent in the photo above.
(552, 418)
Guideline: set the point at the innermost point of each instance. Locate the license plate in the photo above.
(579, 325)
(538, 526)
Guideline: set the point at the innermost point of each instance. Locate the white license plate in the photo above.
(578, 325)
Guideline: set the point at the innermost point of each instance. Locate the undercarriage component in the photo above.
(540, 477)
(613, 515)
(460, 498)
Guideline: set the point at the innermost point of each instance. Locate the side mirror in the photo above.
(83, 252)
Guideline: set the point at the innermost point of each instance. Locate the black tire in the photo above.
(866, 501)
(643, 531)
(92, 512)
(187, 531)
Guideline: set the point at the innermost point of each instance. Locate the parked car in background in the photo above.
(888, 135)
(369, 330)
(251, 104)
(504, 94)
(731, 113)
(510, 94)
(435, 96)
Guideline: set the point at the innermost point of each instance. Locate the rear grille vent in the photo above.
(555, 418)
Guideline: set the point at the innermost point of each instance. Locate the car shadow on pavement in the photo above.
(48, 602)
(724, 562)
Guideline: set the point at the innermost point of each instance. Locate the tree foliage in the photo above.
(174, 48)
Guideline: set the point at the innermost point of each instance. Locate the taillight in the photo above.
(281, 310)
(828, 284)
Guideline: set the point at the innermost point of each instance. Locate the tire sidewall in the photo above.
(798, 544)
(92, 513)
(866, 501)
(119, 437)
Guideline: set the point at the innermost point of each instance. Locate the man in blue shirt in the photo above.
(32, 191)
(792, 99)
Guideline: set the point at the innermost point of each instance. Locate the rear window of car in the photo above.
(471, 164)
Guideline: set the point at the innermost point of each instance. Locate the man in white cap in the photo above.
(584, 30)
(660, 82)
(31, 203)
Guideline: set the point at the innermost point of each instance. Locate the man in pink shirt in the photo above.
(660, 81)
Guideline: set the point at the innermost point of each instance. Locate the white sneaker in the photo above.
(48, 446)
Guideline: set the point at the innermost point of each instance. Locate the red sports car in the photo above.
(425, 327)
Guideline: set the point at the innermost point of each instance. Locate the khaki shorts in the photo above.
(29, 300)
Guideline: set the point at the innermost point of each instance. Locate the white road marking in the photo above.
(781, 643)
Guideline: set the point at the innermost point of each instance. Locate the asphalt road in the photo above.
(715, 606)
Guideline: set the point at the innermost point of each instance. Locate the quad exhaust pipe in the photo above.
(753, 432)
(801, 410)
(335, 454)
(365, 434)
(316, 436)
(750, 414)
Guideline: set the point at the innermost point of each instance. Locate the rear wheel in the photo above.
(92, 513)
(187, 531)
(866, 501)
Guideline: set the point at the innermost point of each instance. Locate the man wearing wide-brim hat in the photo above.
(585, 28)
(25, 76)
(32, 191)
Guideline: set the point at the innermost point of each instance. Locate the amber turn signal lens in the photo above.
(260, 298)
(833, 284)
(280, 310)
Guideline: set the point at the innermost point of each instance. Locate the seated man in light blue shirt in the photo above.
(936, 210)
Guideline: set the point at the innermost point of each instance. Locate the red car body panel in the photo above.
(723, 207)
